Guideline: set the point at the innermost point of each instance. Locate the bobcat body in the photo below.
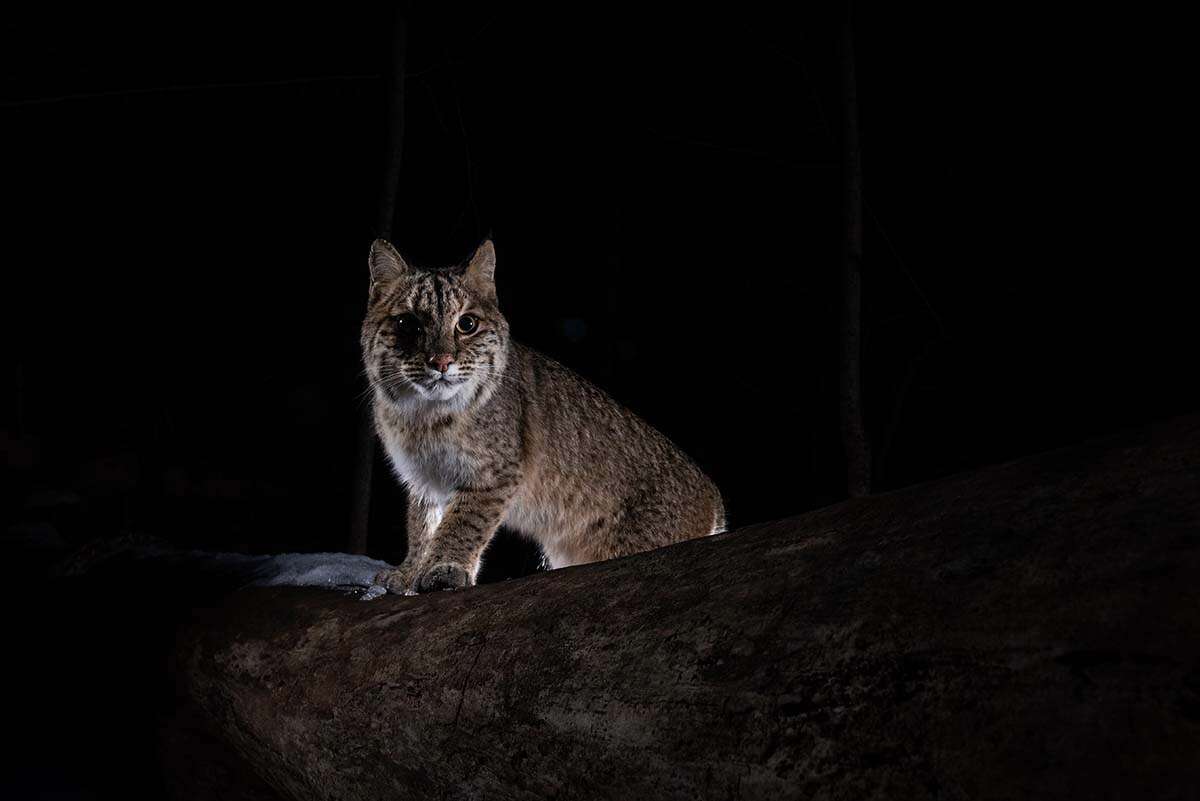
(485, 432)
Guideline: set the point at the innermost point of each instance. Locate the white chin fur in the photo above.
(447, 397)
(442, 392)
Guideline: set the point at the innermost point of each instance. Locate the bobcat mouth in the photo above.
(442, 382)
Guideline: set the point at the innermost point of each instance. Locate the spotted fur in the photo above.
(506, 436)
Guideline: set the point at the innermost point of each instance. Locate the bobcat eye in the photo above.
(406, 326)
(467, 324)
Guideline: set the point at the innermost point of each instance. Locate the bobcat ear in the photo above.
(385, 262)
(482, 267)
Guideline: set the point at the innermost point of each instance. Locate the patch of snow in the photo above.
(332, 570)
(373, 592)
(346, 572)
(339, 571)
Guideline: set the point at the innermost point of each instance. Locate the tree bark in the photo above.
(1027, 630)
(856, 442)
(364, 463)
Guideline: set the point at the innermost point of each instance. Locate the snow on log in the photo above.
(1027, 630)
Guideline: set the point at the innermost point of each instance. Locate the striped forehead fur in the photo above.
(428, 289)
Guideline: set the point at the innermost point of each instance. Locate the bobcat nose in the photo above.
(440, 361)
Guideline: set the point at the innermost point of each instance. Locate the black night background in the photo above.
(190, 193)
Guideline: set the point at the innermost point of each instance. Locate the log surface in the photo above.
(1027, 630)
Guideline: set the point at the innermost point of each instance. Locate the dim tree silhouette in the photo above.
(855, 439)
(364, 465)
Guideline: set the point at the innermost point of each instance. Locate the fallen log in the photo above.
(1027, 630)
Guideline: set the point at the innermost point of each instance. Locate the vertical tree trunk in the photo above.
(395, 137)
(364, 474)
(19, 381)
(364, 467)
(854, 434)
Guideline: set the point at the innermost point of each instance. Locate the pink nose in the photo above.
(440, 361)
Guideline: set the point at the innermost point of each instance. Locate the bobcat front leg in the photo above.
(456, 547)
(423, 518)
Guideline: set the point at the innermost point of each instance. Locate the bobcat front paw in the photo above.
(398, 581)
(444, 576)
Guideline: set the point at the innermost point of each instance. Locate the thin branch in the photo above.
(855, 438)
(195, 87)
(364, 467)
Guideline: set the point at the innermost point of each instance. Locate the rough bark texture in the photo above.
(1028, 630)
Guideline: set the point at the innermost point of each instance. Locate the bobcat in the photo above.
(485, 432)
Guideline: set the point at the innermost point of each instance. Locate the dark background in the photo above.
(189, 195)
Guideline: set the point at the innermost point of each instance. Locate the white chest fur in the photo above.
(431, 472)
